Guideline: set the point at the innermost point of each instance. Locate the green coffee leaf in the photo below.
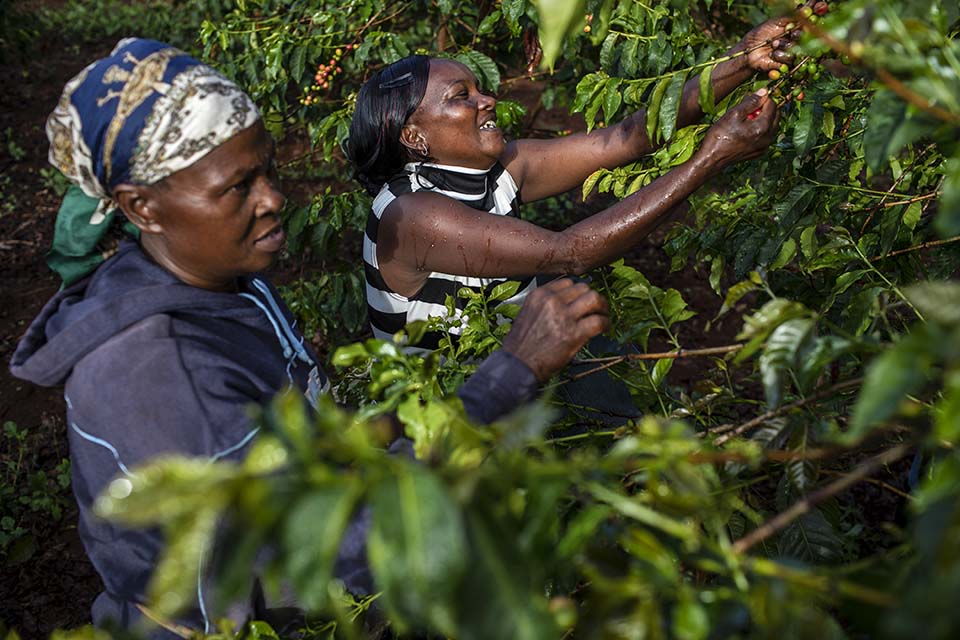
(501, 597)
(558, 19)
(311, 534)
(885, 115)
(653, 110)
(417, 547)
(781, 354)
(670, 106)
(900, 370)
(705, 97)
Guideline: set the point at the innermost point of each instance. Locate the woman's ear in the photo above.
(135, 202)
(412, 138)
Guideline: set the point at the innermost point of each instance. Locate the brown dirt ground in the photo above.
(54, 587)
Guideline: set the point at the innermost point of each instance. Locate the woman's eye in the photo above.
(242, 187)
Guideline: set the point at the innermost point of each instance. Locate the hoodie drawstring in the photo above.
(292, 346)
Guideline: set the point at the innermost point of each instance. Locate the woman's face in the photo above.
(456, 122)
(219, 218)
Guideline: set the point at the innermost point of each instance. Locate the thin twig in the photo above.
(773, 455)
(822, 583)
(777, 523)
(882, 203)
(879, 483)
(609, 361)
(665, 355)
(925, 196)
(924, 245)
(735, 430)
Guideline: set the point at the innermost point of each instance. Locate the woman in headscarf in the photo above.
(425, 142)
(165, 344)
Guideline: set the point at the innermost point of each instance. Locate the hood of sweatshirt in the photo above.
(124, 290)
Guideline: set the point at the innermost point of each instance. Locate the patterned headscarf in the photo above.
(142, 113)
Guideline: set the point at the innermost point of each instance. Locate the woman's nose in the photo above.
(271, 199)
(486, 102)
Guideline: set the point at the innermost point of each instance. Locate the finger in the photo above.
(557, 284)
(570, 294)
(768, 116)
(783, 21)
(776, 119)
(753, 103)
(762, 113)
(768, 64)
(587, 304)
(589, 327)
(782, 56)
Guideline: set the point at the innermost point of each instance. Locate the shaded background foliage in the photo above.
(725, 511)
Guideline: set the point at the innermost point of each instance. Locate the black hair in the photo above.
(384, 103)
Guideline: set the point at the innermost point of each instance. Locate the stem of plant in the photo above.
(607, 362)
(732, 431)
(780, 521)
(771, 569)
(886, 280)
(924, 245)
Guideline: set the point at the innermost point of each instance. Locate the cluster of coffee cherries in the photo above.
(808, 68)
(810, 14)
(324, 76)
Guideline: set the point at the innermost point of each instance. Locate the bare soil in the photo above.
(54, 586)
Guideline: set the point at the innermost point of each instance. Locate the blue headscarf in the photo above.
(137, 116)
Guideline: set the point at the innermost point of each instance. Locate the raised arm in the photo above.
(423, 232)
(544, 168)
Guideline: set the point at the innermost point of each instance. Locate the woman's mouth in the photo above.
(272, 241)
(489, 125)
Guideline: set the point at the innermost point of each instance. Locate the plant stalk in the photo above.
(860, 473)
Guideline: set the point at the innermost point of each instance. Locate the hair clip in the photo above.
(399, 81)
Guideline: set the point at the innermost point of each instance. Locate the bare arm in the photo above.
(423, 232)
(544, 168)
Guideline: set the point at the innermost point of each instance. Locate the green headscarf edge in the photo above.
(79, 247)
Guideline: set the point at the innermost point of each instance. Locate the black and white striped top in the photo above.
(492, 190)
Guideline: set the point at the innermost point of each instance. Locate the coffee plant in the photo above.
(749, 504)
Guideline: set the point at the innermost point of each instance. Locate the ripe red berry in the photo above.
(821, 8)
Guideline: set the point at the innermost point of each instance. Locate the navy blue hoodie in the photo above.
(152, 366)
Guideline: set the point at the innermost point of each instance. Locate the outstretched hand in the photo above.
(768, 44)
(556, 320)
(744, 132)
